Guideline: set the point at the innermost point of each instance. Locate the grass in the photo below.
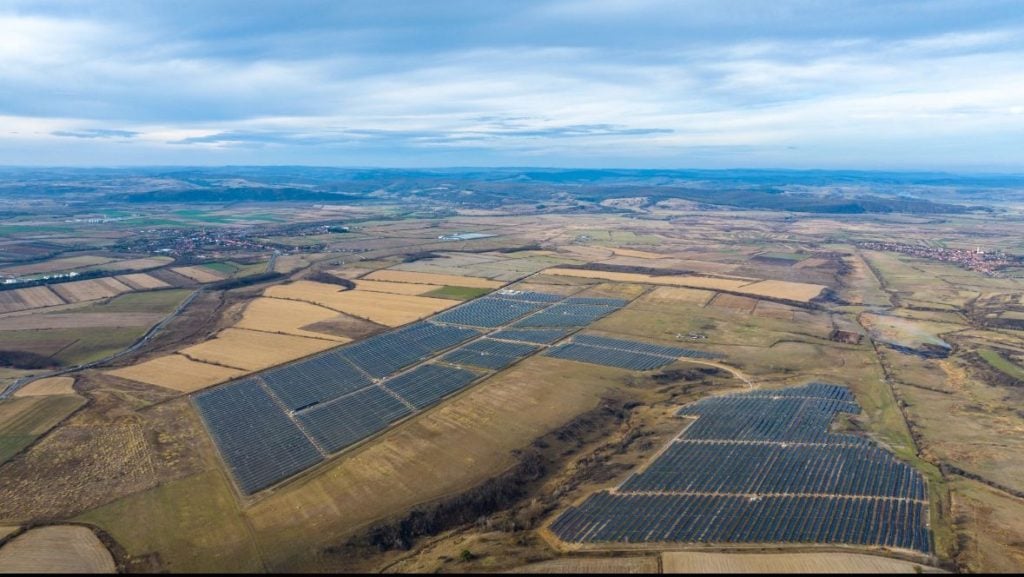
(222, 267)
(193, 524)
(1002, 364)
(783, 256)
(160, 301)
(22, 420)
(457, 292)
(74, 345)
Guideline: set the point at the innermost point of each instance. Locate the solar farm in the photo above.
(623, 354)
(762, 467)
(291, 417)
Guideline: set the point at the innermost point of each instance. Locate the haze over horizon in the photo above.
(867, 85)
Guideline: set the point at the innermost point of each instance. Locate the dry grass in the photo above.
(6, 530)
(669, 295)
(92, 289)
(794, 291)
(448, 449)
(177, 372)
(583, 565)
(698, 562)
(199, 274)
(398, 288)
(433, 278)
(734, 302)
(59, 264)
(382, 308)
(48, 386)
(638, 253)
(28, 298)
(254, 350)
(287, 316)
(670, 280)
(56, 549)
(142, 281)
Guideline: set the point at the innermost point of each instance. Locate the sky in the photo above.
(888, 84)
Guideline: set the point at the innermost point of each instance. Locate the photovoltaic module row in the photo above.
(257, 440)
(608, 357)
(350, 419)
(538, 335)
(641, 347)
(753, 418)
(528, 296)
(488, 312)
(384, 354)
(744, 473)
(489, 354)
(427, 384)
(632, 518)
(315, 380)
(811, 390)
(742, 468)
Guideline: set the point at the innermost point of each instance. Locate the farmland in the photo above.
(580, 390)
(56, 549)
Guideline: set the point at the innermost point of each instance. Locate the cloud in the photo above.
(95, 133)
(563, 81)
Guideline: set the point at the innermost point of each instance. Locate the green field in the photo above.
(194, 523)
(160, 301)
(1002, 364)
(24, 419)
(783, 256)
(457, 292)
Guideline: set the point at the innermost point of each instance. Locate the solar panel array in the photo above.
(641, 347)
(489, 312)
(747, 474)
(315, 380)
(538, 336)
(609, 357)
(427, 384)
(489, 353)
(257, 440)
(383, 354)
(639, 518)
(352, 418)
(273, 425)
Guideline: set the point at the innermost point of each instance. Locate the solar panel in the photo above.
(315, 380)
(632, 361)
(350, 419)
(427, 384)
(538, 335)
(488, 312)
(762, 467)
(255, 437)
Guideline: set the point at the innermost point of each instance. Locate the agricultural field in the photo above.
(813, 563)
(56, 549)
(382, 308)
(431, 278)
(286, 316)
(249, 350)
(515, 402)
(177, 372)
(24, 419)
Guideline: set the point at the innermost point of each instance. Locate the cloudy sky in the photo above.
(590, 83)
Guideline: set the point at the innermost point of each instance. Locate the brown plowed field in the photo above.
(56, 549)
(92, 289)
(28, 298)
(142, 281)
